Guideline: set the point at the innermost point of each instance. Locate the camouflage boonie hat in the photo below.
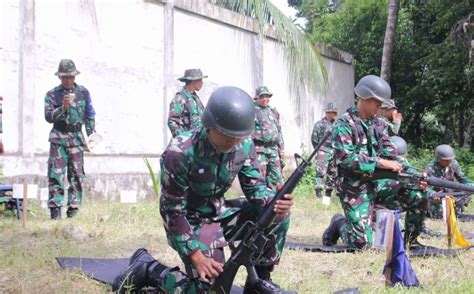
(331, 107)
(389, 104)
(67, 68)
(193, 74)
(262, 90)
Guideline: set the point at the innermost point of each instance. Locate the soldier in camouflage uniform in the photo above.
(268, 138)
(186, 108)
(197, 169)
(390, 117)
(325, 161)
(392, 194)
(446, 167)
(358, 152)
(68, 107)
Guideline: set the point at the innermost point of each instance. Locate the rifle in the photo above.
(444, 194)
(255, 240)
(416, 178)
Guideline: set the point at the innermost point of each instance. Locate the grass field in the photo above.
(105, 229)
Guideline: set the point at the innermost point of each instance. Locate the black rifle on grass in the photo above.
(253, 236)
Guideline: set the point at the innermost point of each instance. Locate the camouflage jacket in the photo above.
(194, 179)
(392, 128)
(453, 172)
(267, 127)
(185, 112)
(319, 130)
(67, 128)
(357, 148)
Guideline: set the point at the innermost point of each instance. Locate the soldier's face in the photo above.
(331, 116)
(67, 81)
(223, 143)
(444, 162)
(197, 84)
(372, 106)
(263, 100)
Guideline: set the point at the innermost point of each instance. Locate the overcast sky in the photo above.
(283, 6)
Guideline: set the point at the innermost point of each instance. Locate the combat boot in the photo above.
(72, 212)
(142, 271)
(428, 233)
(319, 193)
(328, 192)
(264, 283)
(333, 232)
(55, 213)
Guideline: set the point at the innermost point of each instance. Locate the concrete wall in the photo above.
(130, 53)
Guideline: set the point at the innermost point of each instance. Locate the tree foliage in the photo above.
(430, 75)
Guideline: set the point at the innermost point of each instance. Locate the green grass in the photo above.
(105, 229)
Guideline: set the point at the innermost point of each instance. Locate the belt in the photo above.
(66, 128)
(264, 144)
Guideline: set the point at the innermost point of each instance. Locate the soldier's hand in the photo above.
(397, 117)
(67, 102)
(206, 267)
(284, 205)
(423, 185)
(390, 165)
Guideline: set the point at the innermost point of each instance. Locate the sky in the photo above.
(290, 11)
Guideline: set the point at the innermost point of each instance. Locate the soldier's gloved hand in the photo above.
(390, 165)
(206, 267)
(67, 102)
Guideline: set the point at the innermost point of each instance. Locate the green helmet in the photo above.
(231, 111)
(373, 87)
(400, 144)
(263, 90)
(67, 68)
(444, 152)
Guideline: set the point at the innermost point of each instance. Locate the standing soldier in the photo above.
(325, 161)
(198, 167)
(186, 108)
(390, 117)
(67, 106)
(268, 138)
(358, 153)
(446, 167)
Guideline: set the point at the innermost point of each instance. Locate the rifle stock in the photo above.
(255, 240)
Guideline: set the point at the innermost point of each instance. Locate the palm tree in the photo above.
(307, 73)
(392, 18)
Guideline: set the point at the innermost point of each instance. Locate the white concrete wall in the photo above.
(130, 53)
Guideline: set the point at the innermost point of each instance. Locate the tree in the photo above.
(386, 69)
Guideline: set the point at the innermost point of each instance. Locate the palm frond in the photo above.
(154, 179)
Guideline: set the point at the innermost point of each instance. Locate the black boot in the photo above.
(264, 284)
(142, 271)
(319, 193)
(55, 213)
(72, 212)
(328, 192)
(333, 232)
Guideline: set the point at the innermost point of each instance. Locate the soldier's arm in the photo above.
(89, 114)
(459, 174)
(174, 202)
(53, 113)
(347, 154)
(281, 142)
(175, 115)
(315, 137)
(251, 181)
(389, 150)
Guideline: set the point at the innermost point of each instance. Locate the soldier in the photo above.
(358, 152)
(268, 138)
(186, 108)
(198, 167)
(446, 167)
(68, 107)
(392, 194)
(390, 116)
(325, 161)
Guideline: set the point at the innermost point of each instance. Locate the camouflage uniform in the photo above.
(67, 142)
(194, 179)
(358, 149)
(186, 108)
(268, 140)
(453, 172)
(325, 160)
(392, 128)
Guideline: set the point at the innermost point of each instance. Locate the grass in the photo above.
(106, 229)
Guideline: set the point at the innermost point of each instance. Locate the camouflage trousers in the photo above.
(358, 232)
(325, 170)
(211, 245)
(62, 158)
(390, 195)
(270, 165)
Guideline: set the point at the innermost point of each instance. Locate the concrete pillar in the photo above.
(168, 63)
(26, 79)
(257, 62)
